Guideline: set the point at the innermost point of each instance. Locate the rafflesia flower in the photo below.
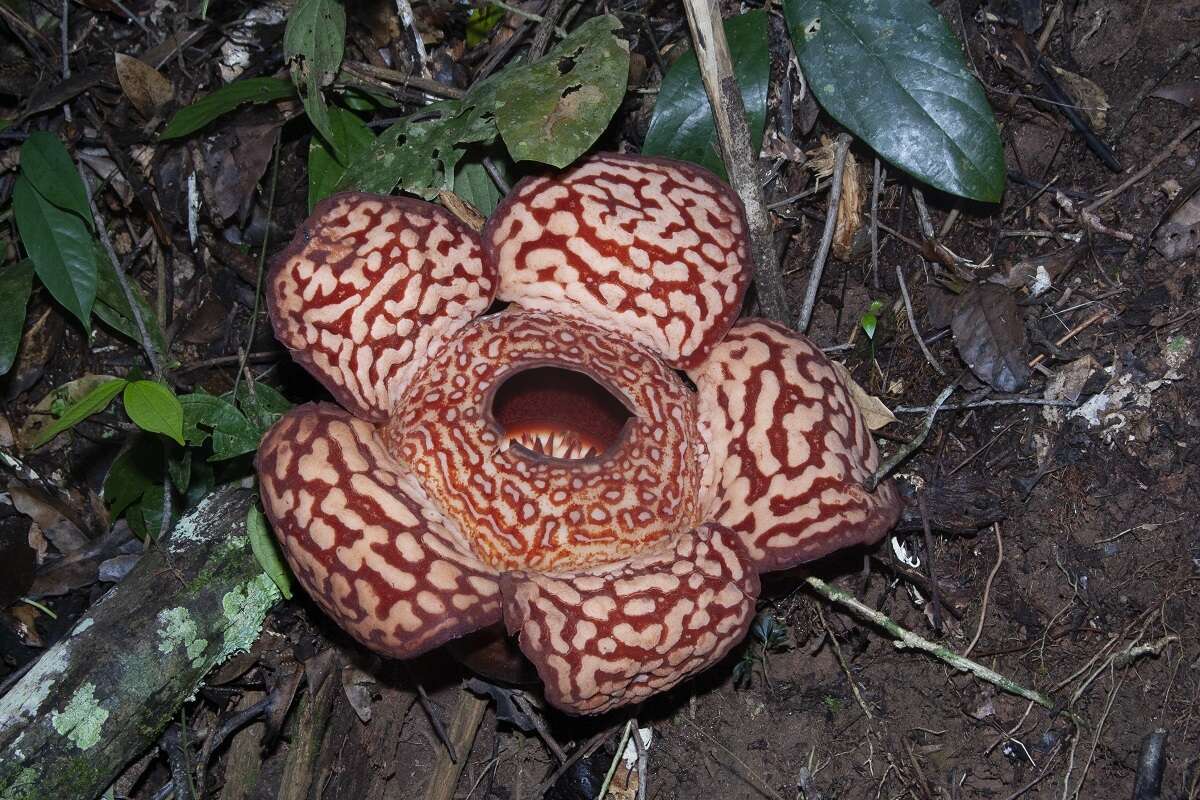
(549, 465)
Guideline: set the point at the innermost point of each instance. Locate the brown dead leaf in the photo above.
(850, 216)
(989, 332)
(42, 416)
(38, 343)
(26, 617)
(147, 89)
(1186, 94)
(875, 413)
(62, 532)
(1089, 97)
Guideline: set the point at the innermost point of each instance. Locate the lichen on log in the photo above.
(102, 695)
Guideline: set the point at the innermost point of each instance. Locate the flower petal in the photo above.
(369, 287)
(364, 540)
(614, 634)
(653, 248)
(788, 449)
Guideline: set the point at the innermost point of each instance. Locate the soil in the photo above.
(1065, 551)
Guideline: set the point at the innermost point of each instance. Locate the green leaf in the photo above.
(16, 283)
(93, 402)
(893, 73)
(266, 551)
(354, 139)
(313, 43)
(262, 405)
(61, 248)
(473, 183)
(682, 125)
(481, 21)
(154, 408)
(553, 110)
(48, 166)
(145, 516)
(232, 434)
(132, 473)
(113, 308)
(190, 119)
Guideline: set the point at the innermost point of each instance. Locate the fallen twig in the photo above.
(912, 323)
(831, 216)
(987, 589)
(907, 450)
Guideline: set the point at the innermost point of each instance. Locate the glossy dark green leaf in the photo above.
(60, 247)
(16, 283)
(154, 408)
(473, 183)
(682, 124)
(266, 551)
(48, 166)
(893, 73)
(252, 90)
(138, 467)
(93, 402)
(354, 139)
(553, 110)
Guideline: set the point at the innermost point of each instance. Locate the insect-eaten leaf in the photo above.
(554, 109)
(313, 44)
(190, 119)
(154, 408)
(989, 333)
(16, 284)
(266, 551)
(682, 126)
(232, 434)
(893, 73)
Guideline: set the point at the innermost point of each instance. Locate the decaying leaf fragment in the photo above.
(850, 217)
(990, 336)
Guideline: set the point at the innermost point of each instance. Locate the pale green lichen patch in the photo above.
(245, 608)
(194, 527)
(23, 786)
(23, 700)
(82, 719)
(178, 629)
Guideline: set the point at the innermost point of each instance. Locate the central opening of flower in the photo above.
(561, 413)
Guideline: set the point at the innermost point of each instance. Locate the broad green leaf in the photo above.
(138, 467)
(145, 516)
(93, 402)
(154, 408)
(60, 247)
(266, 551)
(16, 283)
(190, 119)
(682, 124)
(553, 110)
(893, 73)
(48, 166)
(232, 434)
(262, 405)
(313, 43)
(113, 308)
(473, 183)
(324, 169)
(482, 19)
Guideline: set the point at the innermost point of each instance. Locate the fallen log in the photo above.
(102, 695)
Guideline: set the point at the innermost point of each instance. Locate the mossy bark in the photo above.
(101, 696)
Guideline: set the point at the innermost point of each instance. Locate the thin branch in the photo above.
(907, 450)
(912, 324)
(831, 217)
(987, 589)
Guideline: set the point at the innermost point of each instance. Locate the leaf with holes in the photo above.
(232, 434)
(682, 123)
(893, 73)
(154, 408)
(553, 110)
(313, 44)
(989, 333)
(48, 166)
(16, 284)
(60, 247)
(190, 119)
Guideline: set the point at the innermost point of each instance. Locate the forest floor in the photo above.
(1064, 543)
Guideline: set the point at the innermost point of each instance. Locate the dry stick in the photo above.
(1071, 334)
(831, 216)
(468, 716)
(934, 600)
(907, 450)
(1146, 170)
(398, 78)
(912, 324)
(995, 401)
(106, 242)
(583, 751)
(987, 589)
(612, 768)
(729, 112)
(876, 182)
(910, 640)
(841, 659)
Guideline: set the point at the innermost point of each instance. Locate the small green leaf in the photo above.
(554, 109)
(232, 434)
(324, 169)
(145, 516)
(682, 123)
(48, 166)
(61, 248)
(482, 20)
(870, 319)
(133, 472)
(473, 183)
(113, 308)
(266, 551)
(154, 408)
(893, 73)
(16, 283)
(93, 402)
(262, 405)
(190, 119)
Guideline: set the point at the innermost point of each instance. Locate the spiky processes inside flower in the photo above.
(559, 413)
